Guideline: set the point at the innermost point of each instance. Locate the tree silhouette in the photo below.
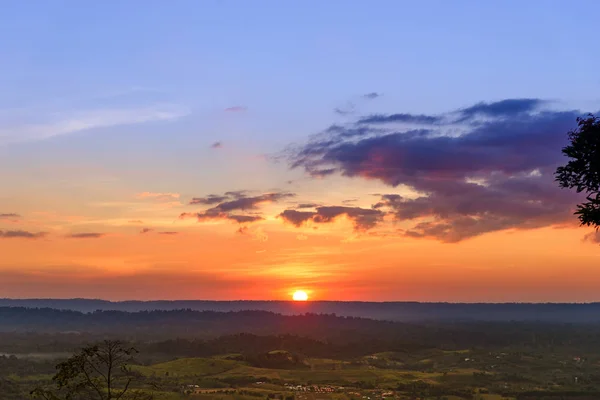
(582, 172)
(98, 372)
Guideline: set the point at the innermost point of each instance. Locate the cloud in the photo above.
(56, 123)
(306, 205)
(210, 199)
(21, 234)
(302, 237)
(371, 96)
(509, 108)
(135, 221)
(362, 218)
(321, 173)
(256, 234)
(228, 206)
(146, 230)
(216, 216)
(400, 118)
(592, 237)
(86, 235)
(243, 202)
(216, 145)
(236, 109)
(503, 108)
(158, 196)
(483, 168)
(170, 233)
(9, 216)
(350, 108)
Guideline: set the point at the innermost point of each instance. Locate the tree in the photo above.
(97, 372)
(582, 172)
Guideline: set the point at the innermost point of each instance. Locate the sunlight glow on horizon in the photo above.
(300, 295)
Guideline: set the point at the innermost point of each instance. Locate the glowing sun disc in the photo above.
(300, 295)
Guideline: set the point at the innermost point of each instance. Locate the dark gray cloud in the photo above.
(9, 216)
(22, 234)
(86, 235)
(362, 218)
(216, 145)
(483, 174)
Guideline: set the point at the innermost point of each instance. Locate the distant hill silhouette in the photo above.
(392, 311)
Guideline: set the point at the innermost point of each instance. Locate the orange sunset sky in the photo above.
(262, 151)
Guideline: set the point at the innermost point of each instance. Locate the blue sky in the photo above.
(285, 57)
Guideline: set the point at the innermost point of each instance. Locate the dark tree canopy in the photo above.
(582, 172)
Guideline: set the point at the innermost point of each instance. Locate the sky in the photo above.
(375, 151)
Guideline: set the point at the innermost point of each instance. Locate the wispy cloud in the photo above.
(592, 237)
(86, 235)
(236, 109)
(21, 234)
(257, 234)
(216, 145)
(371, 96)
(38, 127)
(216, 216)
(9, 216)
(158, 196)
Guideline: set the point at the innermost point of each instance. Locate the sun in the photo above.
(300, 295)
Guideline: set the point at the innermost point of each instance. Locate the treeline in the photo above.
(326, 328)
(396, 311)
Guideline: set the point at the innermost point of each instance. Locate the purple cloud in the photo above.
(492, 170)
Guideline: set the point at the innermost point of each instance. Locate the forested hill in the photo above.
(394, 311)
(143, 325)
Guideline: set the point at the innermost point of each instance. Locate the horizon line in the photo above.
(299, 302)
